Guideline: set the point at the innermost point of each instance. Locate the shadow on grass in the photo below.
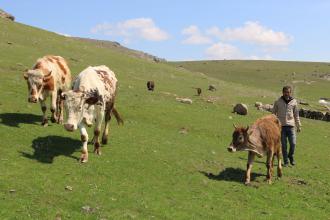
(14, 119)
(231, 174)
(255, 161)
(49, 147)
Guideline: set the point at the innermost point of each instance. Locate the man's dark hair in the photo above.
(286, 88)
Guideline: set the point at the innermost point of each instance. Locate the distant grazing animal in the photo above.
(262, 138)
(199, 91)
(49, 77)
(240, 109)
(212, 88)
(151, 85)
(93, 94)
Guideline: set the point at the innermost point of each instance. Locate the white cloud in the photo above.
(220, 51)
(223, 51)
(214, 31)
(143, 28)
(195, 36)
(252, 32)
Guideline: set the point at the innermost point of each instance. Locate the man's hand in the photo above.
(298, 129)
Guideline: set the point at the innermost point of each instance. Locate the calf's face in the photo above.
(240, 139)
(35, 81)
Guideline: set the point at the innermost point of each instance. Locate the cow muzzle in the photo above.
(32, 100)
(69, 127)
(231, 149)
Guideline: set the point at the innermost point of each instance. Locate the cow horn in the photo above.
(235, 126)
(247, 128)
(47, 77)
(62, 96)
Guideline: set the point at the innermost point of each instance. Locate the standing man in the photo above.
(286, 109)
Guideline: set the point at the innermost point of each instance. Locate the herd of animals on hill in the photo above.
(90, 98)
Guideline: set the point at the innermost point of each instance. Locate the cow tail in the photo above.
(278, 123)
(117, 116)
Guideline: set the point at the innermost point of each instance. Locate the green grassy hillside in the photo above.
(310, 80)
(149, 169)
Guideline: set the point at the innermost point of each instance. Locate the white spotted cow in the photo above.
(93, 95)
(49, 76)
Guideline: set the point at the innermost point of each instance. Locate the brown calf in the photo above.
(262, 138)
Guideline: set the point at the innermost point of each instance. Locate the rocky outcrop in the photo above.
(264, 107)
(6, 15)
(118, 47)
(184, 100)
(316, 115)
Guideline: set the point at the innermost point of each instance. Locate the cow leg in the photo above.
(53, 97)
(269, 166)
(279, 166)
(107, 118)
(59, 107)
(107, 123)
(97, 129)
(84, 140)
(44, 116)
(249, 167)
(60, 111)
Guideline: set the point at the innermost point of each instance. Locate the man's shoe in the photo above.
(292, 162)
(286, 164)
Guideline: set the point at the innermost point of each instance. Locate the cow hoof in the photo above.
(60, 122)
(44, 124)
(53, 120)
(83, 160)
(269, 181)
(104, 140)
(247, 183)
(97, 152)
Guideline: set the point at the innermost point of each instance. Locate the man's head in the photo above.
(287, 92)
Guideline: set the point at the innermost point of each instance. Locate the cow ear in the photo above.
(25, 75)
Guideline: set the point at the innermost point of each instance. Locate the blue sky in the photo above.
(191, 30)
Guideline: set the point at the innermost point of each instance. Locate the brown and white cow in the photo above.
(49, 77)
(262, 138)
(93, 95)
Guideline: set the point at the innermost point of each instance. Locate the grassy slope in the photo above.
(148, 169)
(270, 75)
